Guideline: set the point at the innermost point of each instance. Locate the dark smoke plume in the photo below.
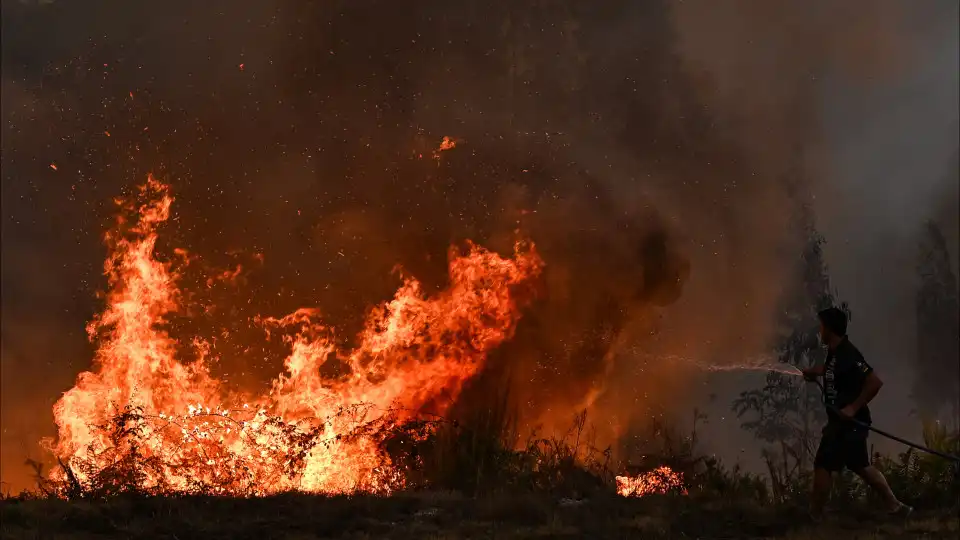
(655, 151)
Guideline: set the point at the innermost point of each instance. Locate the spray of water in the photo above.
(786, 369)
(762, 363)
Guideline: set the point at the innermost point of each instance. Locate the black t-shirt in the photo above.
(845, 371)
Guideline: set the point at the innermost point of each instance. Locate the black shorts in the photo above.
(842, 446)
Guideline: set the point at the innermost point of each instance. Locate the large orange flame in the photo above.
(191, 433)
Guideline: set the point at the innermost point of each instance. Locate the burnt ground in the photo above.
(447, 516)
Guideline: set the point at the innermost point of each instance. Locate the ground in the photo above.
(443, 516)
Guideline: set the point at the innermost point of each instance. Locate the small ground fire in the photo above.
(660, 480)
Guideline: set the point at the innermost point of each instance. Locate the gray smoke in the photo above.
(893, 148)
(870, 96)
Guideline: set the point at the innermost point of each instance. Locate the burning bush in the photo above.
(164, 454)
(659, 480)
(144, 419)
(152, 455)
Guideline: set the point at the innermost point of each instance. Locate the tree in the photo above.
(786, 411)
(937, 384)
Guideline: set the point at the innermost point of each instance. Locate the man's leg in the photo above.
(876, 480)
(822, 481)
(828, 459)
(858, 460)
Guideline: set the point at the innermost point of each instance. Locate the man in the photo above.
(849, 385)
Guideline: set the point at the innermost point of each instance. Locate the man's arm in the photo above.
(813, 372)
(871, 386)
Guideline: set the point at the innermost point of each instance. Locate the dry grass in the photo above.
(464, 481)
(944, 526)
(441, 515)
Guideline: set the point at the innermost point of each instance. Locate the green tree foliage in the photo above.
(938, 327)
(786, 412)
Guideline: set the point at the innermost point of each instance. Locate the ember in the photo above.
(448, 143)
(658, 481)
(171, 426)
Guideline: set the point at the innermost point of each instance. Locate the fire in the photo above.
(658, 481)
(169, 425)
(448, 143)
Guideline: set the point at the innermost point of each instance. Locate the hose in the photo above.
(920, 447)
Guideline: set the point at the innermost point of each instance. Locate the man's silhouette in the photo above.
(849, 383)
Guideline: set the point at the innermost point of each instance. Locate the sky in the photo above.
(657, 154)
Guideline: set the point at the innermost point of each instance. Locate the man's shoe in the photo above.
(903, 512)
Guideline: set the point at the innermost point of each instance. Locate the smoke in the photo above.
(656, 152)
(893, 149)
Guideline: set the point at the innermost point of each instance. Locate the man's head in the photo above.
(833, 325)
